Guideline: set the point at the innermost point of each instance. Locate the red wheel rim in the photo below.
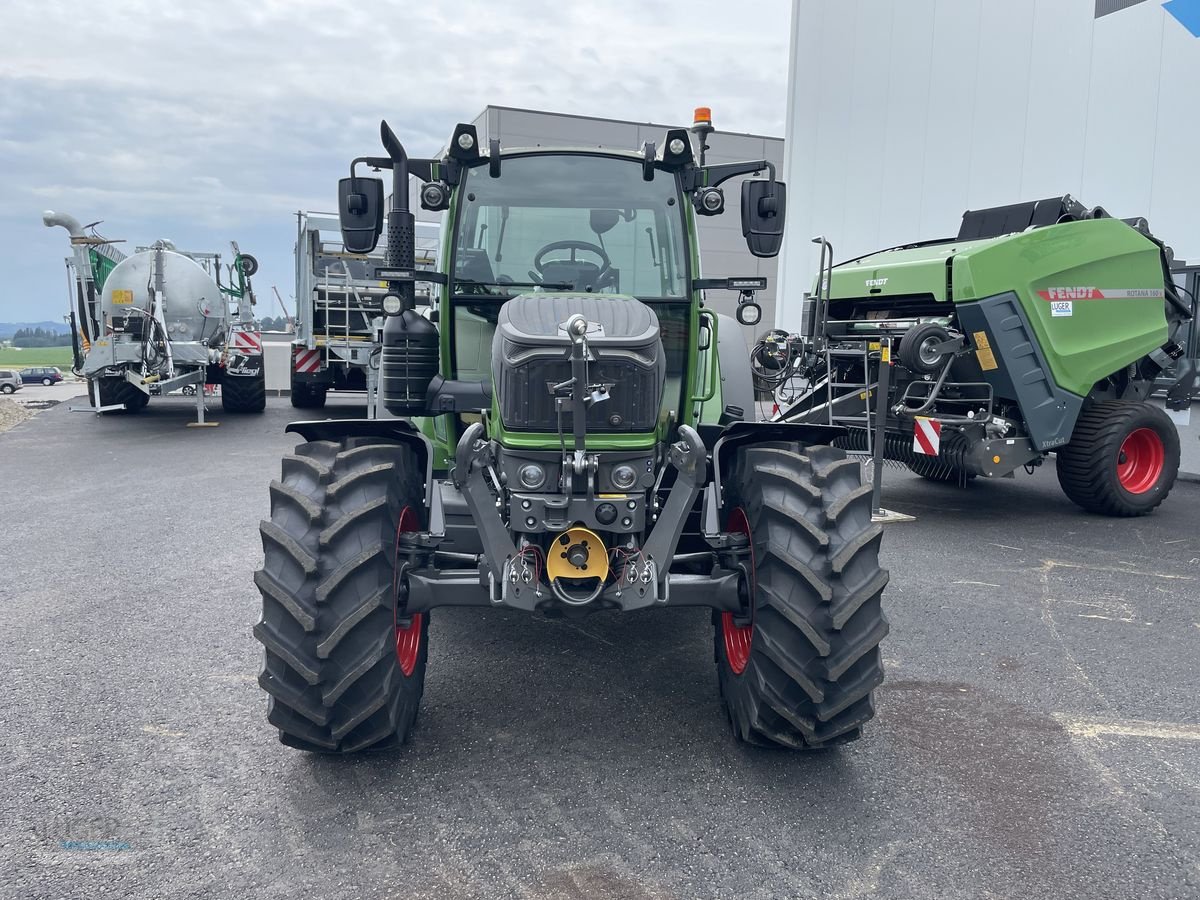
(408, 637)
(738, 637)
(1141, 460)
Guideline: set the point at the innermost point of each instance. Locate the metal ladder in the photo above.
(342, 337)
(866, 420)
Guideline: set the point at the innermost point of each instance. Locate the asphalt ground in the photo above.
(1038, 734)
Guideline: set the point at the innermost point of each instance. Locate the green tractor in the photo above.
(571, 430)
(1041, 329)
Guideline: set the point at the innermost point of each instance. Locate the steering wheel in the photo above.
(573, 246)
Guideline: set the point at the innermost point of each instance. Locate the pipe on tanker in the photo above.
(86, 301)
(51, 218)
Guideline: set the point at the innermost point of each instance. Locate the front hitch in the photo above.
(688, 456)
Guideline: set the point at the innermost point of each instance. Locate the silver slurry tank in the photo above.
(191, 306)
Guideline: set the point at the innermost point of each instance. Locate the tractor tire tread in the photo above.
(814, 656)
(328, 622)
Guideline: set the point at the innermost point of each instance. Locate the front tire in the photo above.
(798, 669)
(8, 389)
(344, 668)
(1122, 459)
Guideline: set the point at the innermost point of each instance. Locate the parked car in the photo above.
(46, 375)
(9, 381)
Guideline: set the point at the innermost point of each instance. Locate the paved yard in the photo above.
(1038, 735)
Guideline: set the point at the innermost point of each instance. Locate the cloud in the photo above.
(215, 122)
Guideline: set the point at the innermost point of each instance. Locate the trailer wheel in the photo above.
(1122, 459)
(244, 393)
(305, 396)
(797, 669)
(115, 391)
(344, 668)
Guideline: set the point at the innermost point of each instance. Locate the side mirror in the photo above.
(763, 206)
(360, 213)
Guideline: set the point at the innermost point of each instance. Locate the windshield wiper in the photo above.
(555, 286)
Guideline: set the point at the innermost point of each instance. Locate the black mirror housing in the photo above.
(763, 206)
(360, 213)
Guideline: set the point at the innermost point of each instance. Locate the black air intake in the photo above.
(410, 361)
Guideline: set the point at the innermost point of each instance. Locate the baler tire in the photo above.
(1088, 465)
(933, 468)
(329, 625)
(807, 678)
(244, 393)
(114, 391)
(305, 397)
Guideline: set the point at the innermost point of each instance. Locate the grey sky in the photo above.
(217, 125)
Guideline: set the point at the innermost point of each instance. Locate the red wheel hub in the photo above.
(738, 637)
(408, 637)
(1141, 460)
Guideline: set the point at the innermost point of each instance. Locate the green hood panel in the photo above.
(908, 272)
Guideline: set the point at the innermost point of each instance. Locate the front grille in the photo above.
(527, 401)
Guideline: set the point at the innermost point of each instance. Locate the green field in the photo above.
(37, 356)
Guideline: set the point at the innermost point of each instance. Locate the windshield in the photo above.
(570, 222)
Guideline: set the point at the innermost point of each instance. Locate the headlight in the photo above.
(466, 140)
(624, 477)
(531, 476)
(712, 201)
(676, 146)
(392, 305)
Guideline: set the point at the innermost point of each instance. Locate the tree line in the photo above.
(40, 337)
(269, 324)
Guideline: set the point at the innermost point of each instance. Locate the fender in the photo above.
(397, 430)
(725, 442)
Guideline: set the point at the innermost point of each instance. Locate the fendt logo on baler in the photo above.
(1074, 293)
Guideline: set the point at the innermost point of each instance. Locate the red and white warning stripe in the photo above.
(246, 342)
(927, 436)
(307, 361)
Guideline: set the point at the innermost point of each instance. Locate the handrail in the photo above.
(714, 372)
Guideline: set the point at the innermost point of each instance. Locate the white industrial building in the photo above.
(903, 115)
